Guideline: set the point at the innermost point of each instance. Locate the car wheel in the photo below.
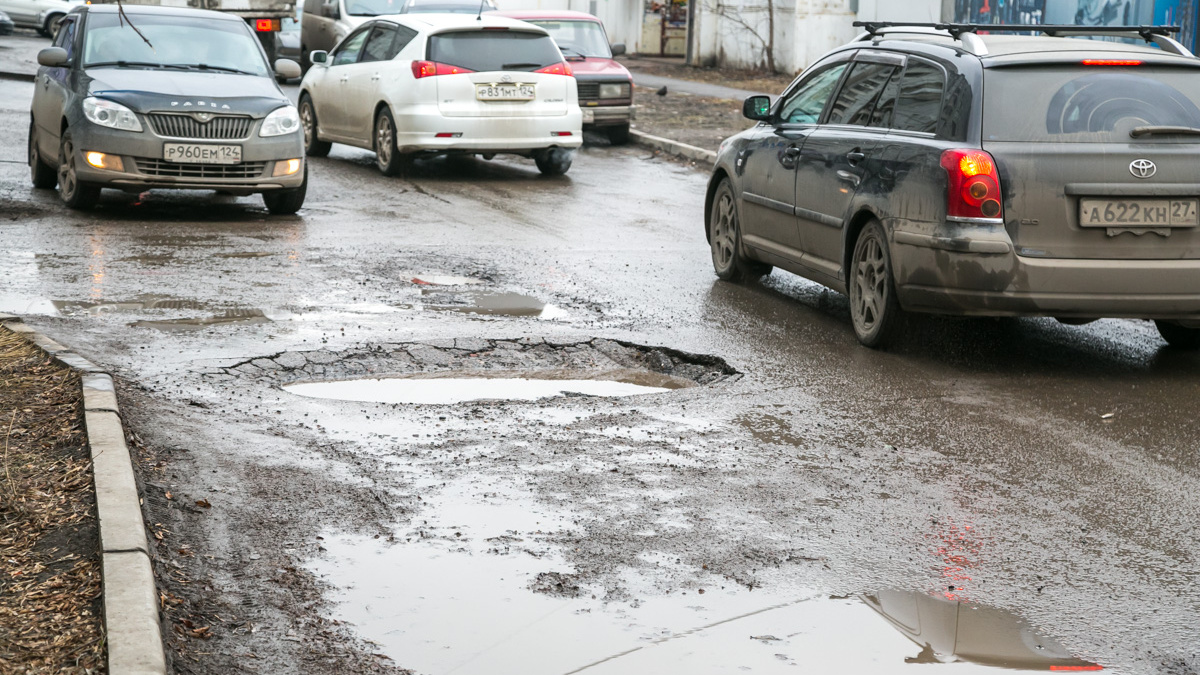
(618, 135)
(43, 175)
(1176, 335)
(389, 160)
(874, 308)
(313, 146)
(553, 162)
(75, 193)
(50, 28)
(725, 239)
(287, 202)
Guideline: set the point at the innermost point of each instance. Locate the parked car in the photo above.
(443, 84)
(40, 15)
(605, 86)
(943, 171)
(198, 110)
(6, 24)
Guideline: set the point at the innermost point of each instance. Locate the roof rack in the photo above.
(966, 32)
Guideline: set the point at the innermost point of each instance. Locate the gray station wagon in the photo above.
(163, 98)
(927, 168)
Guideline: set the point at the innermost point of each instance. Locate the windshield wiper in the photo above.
(571, 51)
(1138, 132)
(130, 64)
(517, 66)
(205, 66)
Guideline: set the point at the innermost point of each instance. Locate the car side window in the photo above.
(66, 37)
(805, 104)
(860, 93)
(404, 35)
(920, 101)
(349, 50)
(379, 45)
(312, 6)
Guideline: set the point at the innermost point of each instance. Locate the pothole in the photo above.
(493, 304)
(468, 369)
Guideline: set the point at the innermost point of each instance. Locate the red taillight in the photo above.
(973, 184)
(557, 69)
(560, 133)
(429, 69)
(266, 25)
(1111, 62)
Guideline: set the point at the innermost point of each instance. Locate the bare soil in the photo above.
(755, 80)
(50, 599)
(695, 120)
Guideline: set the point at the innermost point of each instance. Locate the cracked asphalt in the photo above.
(1046, 470)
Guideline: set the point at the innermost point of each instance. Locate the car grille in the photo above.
(220, 127)
(588, 91)
(161, 167)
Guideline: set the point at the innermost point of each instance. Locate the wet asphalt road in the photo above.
(1047, 470)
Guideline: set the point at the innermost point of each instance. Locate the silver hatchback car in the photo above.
(167, 98)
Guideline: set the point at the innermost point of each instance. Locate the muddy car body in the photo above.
(1049, 192)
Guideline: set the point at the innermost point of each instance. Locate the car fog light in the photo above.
(286, 167)
(103, 161)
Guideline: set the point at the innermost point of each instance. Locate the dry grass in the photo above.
(49, 559)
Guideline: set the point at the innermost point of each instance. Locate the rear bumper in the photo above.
(520, 135)
(973, 270)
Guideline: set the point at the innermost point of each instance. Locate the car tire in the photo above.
(874, 308)
(48, 28)
(313, 146)
(618, 135)
(1180, 337)
(389, 160)
(75, 193)
(287, 202)
(725, 239)
(43, 175)
(554, 162)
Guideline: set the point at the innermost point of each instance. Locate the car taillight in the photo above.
(429, 69)
(266, 25)
(973, 184)
(1111, 62)
(557, 69)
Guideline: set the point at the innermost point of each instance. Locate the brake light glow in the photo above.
(1111, 62)
(266, 25)
(429, 69)
(557, 69)
(973, 185)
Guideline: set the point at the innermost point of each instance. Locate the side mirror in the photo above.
(757, 108)
(52, 57)
(618, 49)
(318, 56)
(287, 69)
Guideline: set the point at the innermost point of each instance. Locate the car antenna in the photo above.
(479, 16)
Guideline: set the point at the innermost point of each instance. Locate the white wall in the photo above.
(622, 18)
(922, 11)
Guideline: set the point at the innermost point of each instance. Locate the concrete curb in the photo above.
(131, 618)
(674, 147)
(20, 77)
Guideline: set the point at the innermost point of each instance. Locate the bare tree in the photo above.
(749, 18)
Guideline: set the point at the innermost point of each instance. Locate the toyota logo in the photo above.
(506, 78)
(1142, 168)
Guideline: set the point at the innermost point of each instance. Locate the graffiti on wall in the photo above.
(1180, 13)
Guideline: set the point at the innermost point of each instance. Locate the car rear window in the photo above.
(487, 50)
(1096, 104)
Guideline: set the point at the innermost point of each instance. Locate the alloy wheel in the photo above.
(869, 292)
(68, 182)
(724, 234)
(384, 141)
(306, 121)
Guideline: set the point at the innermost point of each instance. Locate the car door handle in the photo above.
(787, 158)
(855, 156)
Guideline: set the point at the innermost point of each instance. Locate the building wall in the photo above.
(622, 18)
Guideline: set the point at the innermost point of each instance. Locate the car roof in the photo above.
(437, 23)
(159, 10)
(1008, 49)
(550, 14)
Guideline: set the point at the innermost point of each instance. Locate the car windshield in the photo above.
(582, 38)
(177, 42)
(1098, 104)
(374, 7)
(483, 51)
(435, 7)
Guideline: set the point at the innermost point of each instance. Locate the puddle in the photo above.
(444, 280)
(453, 595)
(246, 254)
(503, 304)
(244, 316)
(451, 387)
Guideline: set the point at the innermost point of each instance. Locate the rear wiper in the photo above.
(1138, 132)
(516, 66)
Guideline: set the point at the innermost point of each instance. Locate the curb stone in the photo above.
(131, 620)
(20, 77)
(673, 147)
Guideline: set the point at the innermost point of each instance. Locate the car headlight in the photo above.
(620, 90)
(281, 121)
(110, 114)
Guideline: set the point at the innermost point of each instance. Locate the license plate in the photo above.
(202, 154)
(1138, 213)
(504, 92)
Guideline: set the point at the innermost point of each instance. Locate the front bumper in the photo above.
(141, 156)
(606, 115)
(974, 270)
